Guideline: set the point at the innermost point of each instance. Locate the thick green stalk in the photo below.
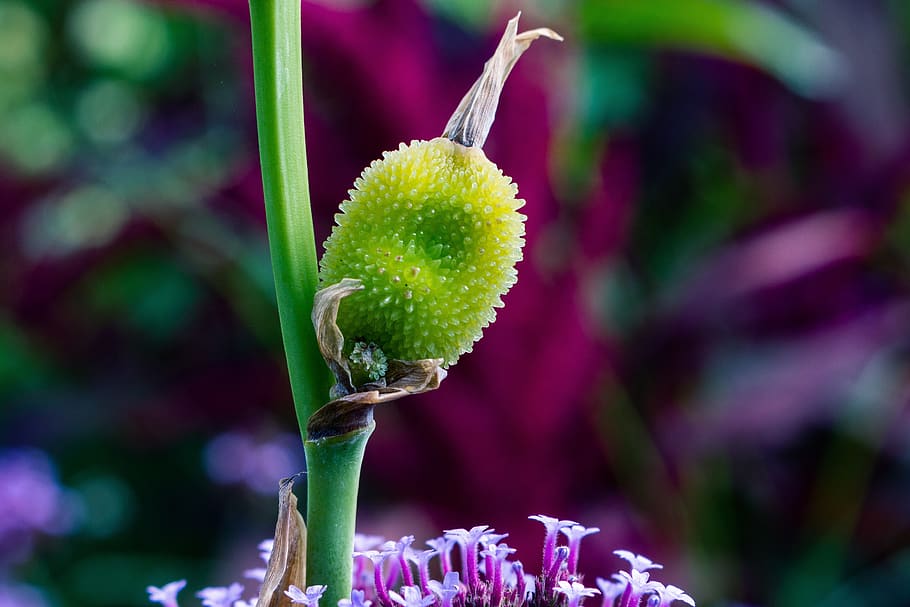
(333, 478)
(333, 464)
(282, 149)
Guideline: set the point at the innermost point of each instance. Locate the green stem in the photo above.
(333, 464)
(282, 148)
(333, 478)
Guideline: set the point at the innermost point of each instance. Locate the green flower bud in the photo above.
(433, 232)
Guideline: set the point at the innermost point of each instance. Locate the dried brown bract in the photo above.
(287, 564)
(352, 407)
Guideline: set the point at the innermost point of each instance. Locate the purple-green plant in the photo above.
(421, 254)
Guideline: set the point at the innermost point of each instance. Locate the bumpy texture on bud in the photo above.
(433, 232)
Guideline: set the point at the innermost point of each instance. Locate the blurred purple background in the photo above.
(706, 354)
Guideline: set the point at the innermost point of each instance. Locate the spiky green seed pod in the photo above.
(433, 232)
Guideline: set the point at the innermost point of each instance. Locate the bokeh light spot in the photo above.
(108, 505)
(124, 36)
(22, 52)
(87, 216)
(35, 139)
(109, 111)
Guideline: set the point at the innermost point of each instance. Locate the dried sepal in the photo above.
(328, 335)
(287, 564)
(354, 411)
(352, 407)
(414, 376)
(470, 123)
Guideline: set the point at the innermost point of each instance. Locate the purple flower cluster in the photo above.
(395, 574)
(488, 577)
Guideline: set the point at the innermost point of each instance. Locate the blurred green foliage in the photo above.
(736, 29)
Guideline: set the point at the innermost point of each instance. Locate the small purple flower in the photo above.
(448, 589)
(309, 597)
(394, 569)
(251, 603)
(636, 561)
(378, 558)
(356, 600)
(220, 596)
(412, 597)
(575, 533)
(637, 585)
(552, 526)
(468, 540)
(556, 570)
(363, 544)
(611, 589)
(468, 536)
(423, 566)
(495, 555)
(670, 593)
(167, 594)
(574, 592)
(518, 572)
(638, 580)
(486, 540)
(560, 555)
(443, 546)
(402, 551)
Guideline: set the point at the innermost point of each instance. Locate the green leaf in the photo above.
(741, 31)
